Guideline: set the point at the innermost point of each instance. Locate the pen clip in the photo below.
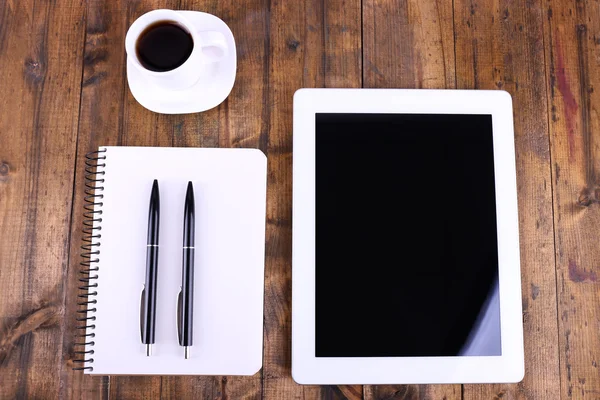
(142, 300)
(179, 316)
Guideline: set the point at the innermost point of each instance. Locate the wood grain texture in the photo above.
(413, 392)
(100, 123)
(409, 44)
(500, 45)
(64, 93)
(41, 46)
(572, 29)
(311, 44)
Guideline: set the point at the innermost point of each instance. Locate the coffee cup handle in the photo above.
(214, 46)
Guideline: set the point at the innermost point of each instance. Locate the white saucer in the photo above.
(211, 89)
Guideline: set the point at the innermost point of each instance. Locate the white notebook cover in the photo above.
(230, 192)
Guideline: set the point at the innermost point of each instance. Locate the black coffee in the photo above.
(164, 46)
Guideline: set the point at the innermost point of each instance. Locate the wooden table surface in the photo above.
(63, 92)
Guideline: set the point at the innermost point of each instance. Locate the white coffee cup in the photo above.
(192, 69)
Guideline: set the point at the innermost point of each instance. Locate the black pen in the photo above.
(148, 305)
(185, 303)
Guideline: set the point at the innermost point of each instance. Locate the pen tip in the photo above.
(187, 352)
(189, 195)
(148, 350)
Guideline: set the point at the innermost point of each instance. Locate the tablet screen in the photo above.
(406, 241)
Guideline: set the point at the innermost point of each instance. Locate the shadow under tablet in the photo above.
(406, 241)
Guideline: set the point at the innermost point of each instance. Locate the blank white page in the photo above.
(230, 194)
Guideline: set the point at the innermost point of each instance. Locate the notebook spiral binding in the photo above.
(90, 254)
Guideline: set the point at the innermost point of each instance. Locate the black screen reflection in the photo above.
(406, 247)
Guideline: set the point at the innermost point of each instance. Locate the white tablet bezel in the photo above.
(308, 369)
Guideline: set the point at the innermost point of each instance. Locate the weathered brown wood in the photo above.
(409, 44)
(572, 31)
(283, 46)
(218, 387)
(410, 392)
(311, 44)
(499, 45)
(100, 123)
(41, 46)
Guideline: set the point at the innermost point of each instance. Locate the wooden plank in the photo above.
(572, 29)
(413, 392)
(40, 60)
(232, 124)
(409, 44)
(106, 119)
(499, 45)
(311, 44)
(227, 125)
(100, 123)
(111, 116)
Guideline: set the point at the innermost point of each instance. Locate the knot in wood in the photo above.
(293, 44)
(584, 199)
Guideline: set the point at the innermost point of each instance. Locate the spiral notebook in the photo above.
(230, 189)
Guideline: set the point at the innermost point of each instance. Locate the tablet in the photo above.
(406, 261)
